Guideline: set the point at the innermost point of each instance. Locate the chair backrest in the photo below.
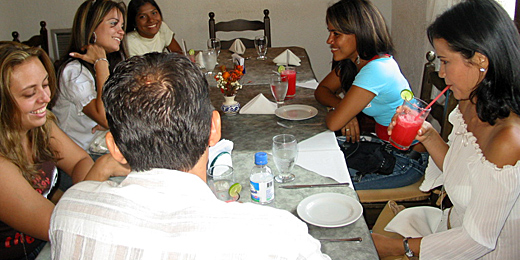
(40, 40)
(60, 42)
(240, 25)
(439, 111)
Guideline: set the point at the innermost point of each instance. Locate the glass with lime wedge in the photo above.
(406, 94)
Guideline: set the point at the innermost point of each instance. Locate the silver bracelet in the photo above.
(407, 251)
(103, 59)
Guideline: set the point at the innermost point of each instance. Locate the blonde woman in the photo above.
(31, 148)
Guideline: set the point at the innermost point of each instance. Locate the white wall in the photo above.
(293, 23)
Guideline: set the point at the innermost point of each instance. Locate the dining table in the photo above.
(251, 133)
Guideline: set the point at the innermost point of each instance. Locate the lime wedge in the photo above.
(235, 190)
(281, 68)
(406, 94)
(191, 52)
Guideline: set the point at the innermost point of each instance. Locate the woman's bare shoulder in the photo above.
(504, 143)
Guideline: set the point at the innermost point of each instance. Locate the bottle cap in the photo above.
(261, 158)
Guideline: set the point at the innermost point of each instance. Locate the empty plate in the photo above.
(296, 112)
(329, 210)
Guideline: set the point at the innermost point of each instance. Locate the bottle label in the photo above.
(262, 192)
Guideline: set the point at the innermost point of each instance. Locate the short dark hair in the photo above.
(363, 19)
(159, 112)
(133, 10)
(484, 26)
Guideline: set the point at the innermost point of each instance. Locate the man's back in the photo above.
(165, 214)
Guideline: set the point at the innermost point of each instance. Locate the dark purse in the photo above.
(369, 157)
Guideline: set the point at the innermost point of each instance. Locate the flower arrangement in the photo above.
(227, 81)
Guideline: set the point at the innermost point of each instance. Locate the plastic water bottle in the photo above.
(261, 180)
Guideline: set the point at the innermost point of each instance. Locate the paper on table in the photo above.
(259, 105)
(321, 154)
(238, 47)
(287, 57)
(312, 84)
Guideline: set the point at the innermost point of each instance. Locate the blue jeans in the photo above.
(406, 171)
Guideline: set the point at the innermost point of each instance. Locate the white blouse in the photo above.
(485, 218)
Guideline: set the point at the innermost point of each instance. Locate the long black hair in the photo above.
(363, 19)
(483, 26)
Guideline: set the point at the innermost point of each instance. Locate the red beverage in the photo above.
(289, 74)
(406, 129)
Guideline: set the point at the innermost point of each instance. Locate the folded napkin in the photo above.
(198, 60)
(321, 154)
(259, 105)
(220, 153)
(287, 57)
(238, 47)
(418, 221)
(312, 84)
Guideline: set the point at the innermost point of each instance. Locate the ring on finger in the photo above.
(347, 129)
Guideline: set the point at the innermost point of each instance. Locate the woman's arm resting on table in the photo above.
(326, 91)
(355, 100)
(72, 159)
(22, 207)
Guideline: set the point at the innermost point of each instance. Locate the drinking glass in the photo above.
(261, 46)
(278, 88)
(219, 179)
(285, 152)
(209, 60)
(214, 43)
(409, 121)
(289, 75)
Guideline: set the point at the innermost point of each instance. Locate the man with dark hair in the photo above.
(162, 124)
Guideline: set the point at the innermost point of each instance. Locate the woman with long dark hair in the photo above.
(371, 80)
(479, 48)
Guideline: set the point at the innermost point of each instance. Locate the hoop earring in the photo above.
(94, 36)
(482, 69)
(358, 60)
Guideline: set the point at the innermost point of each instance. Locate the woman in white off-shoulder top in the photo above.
(480, 60)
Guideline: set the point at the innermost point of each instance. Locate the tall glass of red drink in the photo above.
(409, 121)
(289, 75)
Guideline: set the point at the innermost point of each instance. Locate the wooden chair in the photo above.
(41, 40)
(374, 201)
(240, 25)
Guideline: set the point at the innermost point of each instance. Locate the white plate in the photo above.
(329, 210)
(296, 112)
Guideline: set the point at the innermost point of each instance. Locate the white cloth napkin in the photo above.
(287, 57)
(321, 154)
(198, 60)
(259, 105)
(238, 47)
(312, 84)
(220, 153)
(417, 222)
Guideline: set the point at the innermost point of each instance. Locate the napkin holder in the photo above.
(238, 47)
(239, 60)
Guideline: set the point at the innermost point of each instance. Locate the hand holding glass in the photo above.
(285, 152)
(278, 88)
(409, 121)
(219, 179)
(261, 46)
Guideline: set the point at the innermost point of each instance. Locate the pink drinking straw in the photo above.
(433, 101)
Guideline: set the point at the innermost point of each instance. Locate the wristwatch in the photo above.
(407, 251)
